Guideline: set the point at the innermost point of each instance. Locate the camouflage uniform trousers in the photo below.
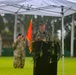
(19, 59)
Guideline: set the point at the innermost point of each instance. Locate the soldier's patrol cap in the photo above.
(42, 24)
(19, 34)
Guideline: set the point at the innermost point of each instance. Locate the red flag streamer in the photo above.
(29, 34)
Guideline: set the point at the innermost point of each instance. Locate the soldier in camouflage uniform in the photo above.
(45, 58)
(19, 53)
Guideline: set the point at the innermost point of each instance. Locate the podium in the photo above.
(45, 56)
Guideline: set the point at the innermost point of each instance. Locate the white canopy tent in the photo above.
(58, 8)
(41, 7)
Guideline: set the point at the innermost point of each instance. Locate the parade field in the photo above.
(6, 66)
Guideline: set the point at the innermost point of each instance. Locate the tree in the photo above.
(1, 24)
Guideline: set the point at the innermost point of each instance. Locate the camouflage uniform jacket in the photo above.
(23, 43)
(17, 45)
(54, 50)
(44, 36)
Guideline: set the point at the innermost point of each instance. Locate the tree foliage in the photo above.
(1, 24)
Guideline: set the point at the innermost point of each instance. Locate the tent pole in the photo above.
(62, 8)
(52, 29)
(15, 27)
(72, 37)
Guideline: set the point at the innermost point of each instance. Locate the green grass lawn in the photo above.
(69, 66)
(6, 67)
